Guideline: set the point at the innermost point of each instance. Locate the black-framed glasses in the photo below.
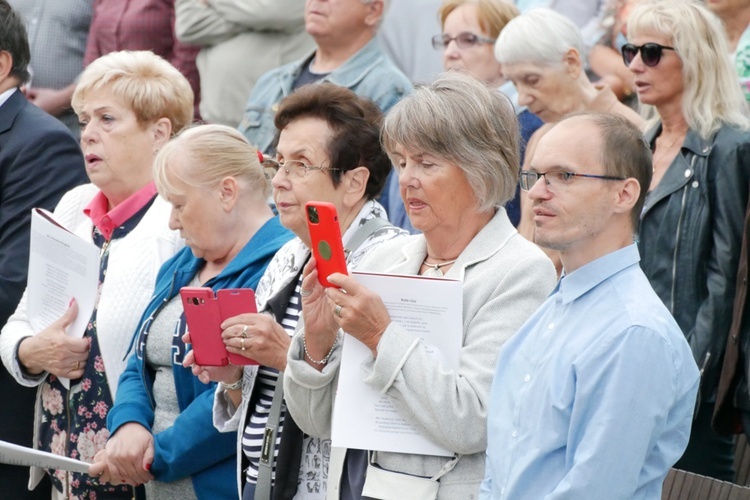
(464, 40)
(650, 53)
(292, 168)
(558, 178)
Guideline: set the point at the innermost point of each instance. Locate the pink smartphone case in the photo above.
(205, 312)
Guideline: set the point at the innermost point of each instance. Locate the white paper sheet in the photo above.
(62, 266)
(14, 454)
(429, 308)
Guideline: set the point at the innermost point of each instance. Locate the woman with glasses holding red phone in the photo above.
(691, 224)
(328, 151)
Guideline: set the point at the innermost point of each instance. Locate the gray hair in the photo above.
(209, 153)
(465, 122)
(540, 36)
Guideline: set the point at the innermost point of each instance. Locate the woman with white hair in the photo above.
(541, 52)
(691, 224)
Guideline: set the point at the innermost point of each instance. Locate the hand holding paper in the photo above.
(61, 266)
(53, 351)
(128, 455)
(361, 312)
(14, 454)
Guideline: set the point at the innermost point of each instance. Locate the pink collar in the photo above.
(108, 221)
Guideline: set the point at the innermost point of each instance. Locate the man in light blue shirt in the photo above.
(593, 397)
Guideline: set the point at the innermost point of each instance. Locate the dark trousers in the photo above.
(16, 426)
(708, 453)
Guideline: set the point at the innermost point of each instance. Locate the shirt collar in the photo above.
(583, 279)
(108, 221)
(6, 95)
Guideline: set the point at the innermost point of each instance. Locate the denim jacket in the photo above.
(690, 236)
(369, 73)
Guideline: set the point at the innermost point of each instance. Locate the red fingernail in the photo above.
(148, 466)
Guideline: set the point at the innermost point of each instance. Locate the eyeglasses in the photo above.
(557, 178)
(464, 40)
(650, 53)
(292, 168)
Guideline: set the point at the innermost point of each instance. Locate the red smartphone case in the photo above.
(233, 302)
(325, 238)
(204, 314)
(203, 320)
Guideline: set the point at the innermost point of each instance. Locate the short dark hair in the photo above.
(355, 122)
(13, 39)
(624, 153)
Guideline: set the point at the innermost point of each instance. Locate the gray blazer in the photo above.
(505, 279)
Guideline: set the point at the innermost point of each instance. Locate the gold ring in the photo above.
(337, 310)
(242, 343)
(244, 332)
(77, 365)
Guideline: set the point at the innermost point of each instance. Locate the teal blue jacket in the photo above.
(192, 447)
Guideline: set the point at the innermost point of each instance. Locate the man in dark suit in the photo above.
(39, 161)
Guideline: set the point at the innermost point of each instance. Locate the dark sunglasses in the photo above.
(464, 40)
(650, 53)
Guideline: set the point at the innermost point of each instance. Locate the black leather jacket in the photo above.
(690, 237)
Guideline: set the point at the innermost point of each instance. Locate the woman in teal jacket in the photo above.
(161, 422)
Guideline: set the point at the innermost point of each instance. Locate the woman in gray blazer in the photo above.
(455, 146)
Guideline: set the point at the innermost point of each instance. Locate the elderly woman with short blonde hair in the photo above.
(129, 105)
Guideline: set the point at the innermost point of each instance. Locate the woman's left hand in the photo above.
(127, 456)
(263, 339)
(358, 310)
(98, 469)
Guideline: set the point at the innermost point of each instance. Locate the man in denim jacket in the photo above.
(346, 54)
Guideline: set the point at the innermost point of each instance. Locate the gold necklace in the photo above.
(665, 149)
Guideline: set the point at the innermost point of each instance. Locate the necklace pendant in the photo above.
(433, 272)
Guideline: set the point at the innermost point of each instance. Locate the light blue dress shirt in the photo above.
(593, 397)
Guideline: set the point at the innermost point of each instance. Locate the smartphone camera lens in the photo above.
(312, 215)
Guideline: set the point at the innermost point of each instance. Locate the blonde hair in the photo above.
(151, 86)
(492, 15)
(712, 94)
(209, 153)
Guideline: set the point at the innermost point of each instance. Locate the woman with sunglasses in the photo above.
(541, 52)
(691, 224)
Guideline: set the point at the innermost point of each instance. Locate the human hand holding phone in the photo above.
(205, 312)
(325, 240)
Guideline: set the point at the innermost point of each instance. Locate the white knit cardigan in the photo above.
(134, 261)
